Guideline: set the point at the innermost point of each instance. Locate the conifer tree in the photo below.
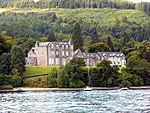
(51, 37)
(110, 44)
(5, 63)
(77, 37)
(17, 60)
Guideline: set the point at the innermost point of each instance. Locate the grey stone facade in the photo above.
(92, 59)
(60, 53)
(50, 54)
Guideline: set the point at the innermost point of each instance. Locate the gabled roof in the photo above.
(77, 51)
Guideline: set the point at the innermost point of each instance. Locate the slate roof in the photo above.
(44, 44)
(110, 54)
(91, 55)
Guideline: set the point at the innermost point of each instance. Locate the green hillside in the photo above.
(37, 23)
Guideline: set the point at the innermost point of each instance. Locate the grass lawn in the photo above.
(39, 81)
(37, 70)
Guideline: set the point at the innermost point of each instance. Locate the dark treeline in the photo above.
(144, 6)
(68, 4)
(72, 4)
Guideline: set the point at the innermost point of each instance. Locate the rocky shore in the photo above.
(25, 89)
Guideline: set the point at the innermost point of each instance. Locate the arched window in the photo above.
(57, 53)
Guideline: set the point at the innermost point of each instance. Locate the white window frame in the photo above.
(57, 61)
(67, 53)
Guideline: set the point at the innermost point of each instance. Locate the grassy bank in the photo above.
(39, 81)
(38, 70)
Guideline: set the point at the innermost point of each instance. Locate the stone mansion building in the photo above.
(60, 53)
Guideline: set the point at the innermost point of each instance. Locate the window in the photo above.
(57, 60)
(33, 51)
(67, 53)
(63, 53)
(57, 46)
(57, 53)
(52, 61)
(66, 46)
(62, 46)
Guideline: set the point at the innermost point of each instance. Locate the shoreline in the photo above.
(29, 89)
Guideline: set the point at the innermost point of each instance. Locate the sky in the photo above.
(136, 1)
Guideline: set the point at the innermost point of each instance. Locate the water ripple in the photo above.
(96, 101)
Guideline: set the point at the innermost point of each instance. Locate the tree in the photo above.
(3, 45)
(5, 64)
(77, 37)
(17, 60)
(51, 37)
(62, 78)
(110, 44)
(105, 72)
(98, 47)
(75, 71)
(52, 78)
(87, 42)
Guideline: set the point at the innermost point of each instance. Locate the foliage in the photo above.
(110, 44)
(127, 79)
(98, 47)
(13, 80)
(77, 37)
(138, 61)
(52, 78)
(43, 4)
(75, 70)
(104, 75)
(39, 81)
(5, 63)
(5, 44)
(144, 6)
(62, 78)
(93, 22)
(17, 60)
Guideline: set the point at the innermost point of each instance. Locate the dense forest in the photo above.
(93, 22)
(73, 4)
(104, 25)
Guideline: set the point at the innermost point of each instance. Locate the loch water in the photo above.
(95, 101)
